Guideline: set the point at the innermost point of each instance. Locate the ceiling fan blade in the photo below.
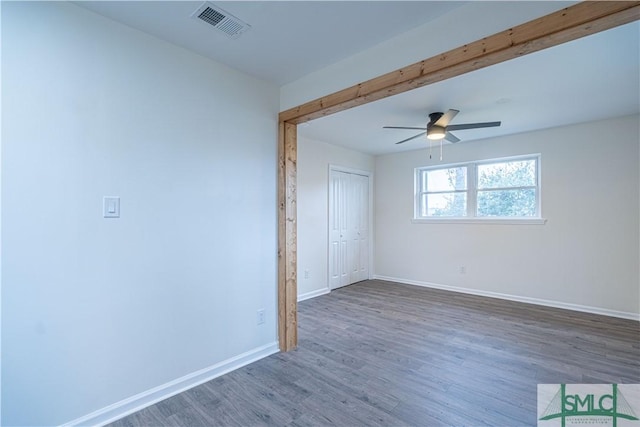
(451, 138)
(402, 127)
(473, 125)
(413, 137)
(446, 118)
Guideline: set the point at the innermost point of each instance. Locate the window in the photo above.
(491, 189)
(507, 189)
(443, 192)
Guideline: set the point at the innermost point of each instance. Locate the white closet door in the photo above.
(339, 274)
(348, 228)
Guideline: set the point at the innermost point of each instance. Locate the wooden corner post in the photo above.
(287, 236)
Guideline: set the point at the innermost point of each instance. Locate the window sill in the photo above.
(504, 221)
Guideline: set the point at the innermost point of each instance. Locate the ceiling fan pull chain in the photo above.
(430, 148)
(441, 150)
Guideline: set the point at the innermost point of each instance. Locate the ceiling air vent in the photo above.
(221, 20)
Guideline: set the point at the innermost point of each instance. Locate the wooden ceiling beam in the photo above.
(568, 24)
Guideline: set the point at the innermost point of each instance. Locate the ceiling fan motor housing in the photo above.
(434, 117)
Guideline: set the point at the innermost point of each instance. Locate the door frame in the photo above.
(369, 175)
(571, 23)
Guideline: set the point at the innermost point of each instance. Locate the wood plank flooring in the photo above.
(383, 354)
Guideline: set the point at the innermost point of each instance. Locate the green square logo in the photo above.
(562, 405)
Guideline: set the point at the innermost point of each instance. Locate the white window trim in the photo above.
(472, 193)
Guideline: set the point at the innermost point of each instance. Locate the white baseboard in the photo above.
(140, 401)
(529, 300)
(313, 294)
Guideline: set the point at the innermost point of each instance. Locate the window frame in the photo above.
(472, 193)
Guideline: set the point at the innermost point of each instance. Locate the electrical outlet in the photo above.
(306, 274)
(463, 269)
(260, 316)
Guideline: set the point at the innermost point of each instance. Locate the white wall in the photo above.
(314, 158)
(97, 310)
(423, 42)
(587, 252)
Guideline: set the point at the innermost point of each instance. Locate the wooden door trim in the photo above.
(568, 24)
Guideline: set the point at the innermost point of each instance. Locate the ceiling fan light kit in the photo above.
(436, 132)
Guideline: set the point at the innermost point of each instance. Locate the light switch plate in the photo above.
(111, 207)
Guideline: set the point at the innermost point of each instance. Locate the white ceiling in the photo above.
(287, 39)
(593, 78)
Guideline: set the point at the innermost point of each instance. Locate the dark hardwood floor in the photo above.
(383, 354)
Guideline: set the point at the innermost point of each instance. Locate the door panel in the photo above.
(362, 195)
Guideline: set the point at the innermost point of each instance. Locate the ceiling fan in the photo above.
(439, 127)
